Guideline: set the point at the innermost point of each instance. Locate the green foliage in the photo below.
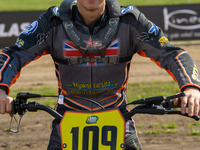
(27, 5)
(156, 125)
(157, 128)
(152, 132)
(194, 132)
(192, 125)
(141, 126)
(143, 90)
(169, 131)
(24, 5)
(50, 102)
(39, 89)
(157, 2)
(169, 126)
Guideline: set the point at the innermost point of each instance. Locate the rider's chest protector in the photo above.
(96, 65)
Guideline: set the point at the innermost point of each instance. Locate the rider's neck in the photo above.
(90, 15)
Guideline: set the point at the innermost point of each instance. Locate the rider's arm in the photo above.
(30, 45)
(152, 43)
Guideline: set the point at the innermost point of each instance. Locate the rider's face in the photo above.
(91, 5)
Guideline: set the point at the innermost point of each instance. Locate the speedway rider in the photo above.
(92, 43)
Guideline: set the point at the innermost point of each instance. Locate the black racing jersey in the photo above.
(104, 83)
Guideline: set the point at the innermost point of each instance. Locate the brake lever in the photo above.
(168, 104)
(11, 130)
(175, 96)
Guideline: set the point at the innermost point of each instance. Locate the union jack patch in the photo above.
(70, 51)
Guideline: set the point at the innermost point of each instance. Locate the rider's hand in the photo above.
(5, 103)
(192, 99)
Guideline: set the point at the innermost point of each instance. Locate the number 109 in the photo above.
(94, 130)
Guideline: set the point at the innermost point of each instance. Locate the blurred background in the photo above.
(179, 20)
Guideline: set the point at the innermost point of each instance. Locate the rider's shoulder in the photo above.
(51, 14)
(130, 10)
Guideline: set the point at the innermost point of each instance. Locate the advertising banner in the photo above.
(13, 23)
(178, 22)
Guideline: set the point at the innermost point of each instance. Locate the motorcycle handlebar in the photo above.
(152, 105)
(21, 108)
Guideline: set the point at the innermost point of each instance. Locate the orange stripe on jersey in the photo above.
(172, 75)
(81, 105)
(5, 63)
(191, 85)
(70, 107)
(124, 92)
(168, 71)
(118, 91)
(1, 84)
(15, 79)
(124, 83)
(18, 74)
(183, 66)
(72, 100)
(142, 53)
(58, 78)
(38, 56)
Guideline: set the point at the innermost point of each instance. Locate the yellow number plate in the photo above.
(103, 130)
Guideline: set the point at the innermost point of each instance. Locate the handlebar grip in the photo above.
(17, 107)
(197, 118)
(13, 107)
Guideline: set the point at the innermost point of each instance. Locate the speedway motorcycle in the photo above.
(100, 130)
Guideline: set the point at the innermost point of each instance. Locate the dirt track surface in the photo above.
(35, 127)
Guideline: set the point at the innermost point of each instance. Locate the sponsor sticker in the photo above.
(56, 11)
(125, 10)
(163, 40)
(195, 74)
(31, 28)
(92, 119)
(19, 42)
(154, 29)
